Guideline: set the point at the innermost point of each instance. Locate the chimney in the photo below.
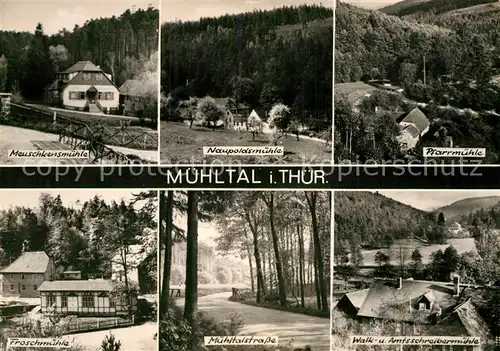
(456, 285)
(400, 283)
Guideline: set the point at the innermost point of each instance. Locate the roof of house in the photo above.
(83, 66)
(412, 130)
(254, 114)
(417, 118)
(29, 262)
(76, 285)
(129, 87)
(357, 297)
(79, 79)
(384, 297)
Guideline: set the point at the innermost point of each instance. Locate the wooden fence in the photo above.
(76, 326)
(78, 135)
(45, 119)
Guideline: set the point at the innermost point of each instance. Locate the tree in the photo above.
(210, 111)
(407, 74)
(38, 69)
(381, 258)
(269, 96)
(166, 208)
(279, 117)
(243, 89)
(3, 73)
(254, 125)
(416, 263)
(191, 295)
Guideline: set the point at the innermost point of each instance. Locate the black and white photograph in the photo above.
(79, 82)
(252, 75)
(245, 264)
(416, 264)
(79, 266)
(417, 82)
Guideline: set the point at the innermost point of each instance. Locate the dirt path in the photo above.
(14, 138)
(298, 329)
(136, 338)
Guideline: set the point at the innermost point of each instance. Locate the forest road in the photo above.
(298, 329)
(136, 338)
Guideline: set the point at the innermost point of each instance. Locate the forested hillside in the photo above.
(82, 238)
(120, 45)
(467, 207)
(258, 57)
(406, 7)
(373, 220)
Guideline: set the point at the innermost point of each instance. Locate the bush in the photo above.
(222, 277)
(205, 277)
(110, 344)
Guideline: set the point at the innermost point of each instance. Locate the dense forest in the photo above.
(83, 237)
(447, 63)
(259, 58)
(119, 45)
(408, 7)
(285, 237)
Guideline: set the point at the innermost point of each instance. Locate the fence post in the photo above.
(98, 324)
(54, 118)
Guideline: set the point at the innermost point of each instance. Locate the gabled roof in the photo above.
(79, 79)
(76, 285)
(358, 297)
(29, 262)
(383, 294)
(417, 118)
(254, 114)
(83, 66)
(412, 130)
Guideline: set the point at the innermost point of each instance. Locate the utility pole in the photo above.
(425, 73)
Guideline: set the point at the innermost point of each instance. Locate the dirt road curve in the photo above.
(137, 338)
(298, 329)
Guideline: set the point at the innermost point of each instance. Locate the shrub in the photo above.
(110, 343)
(205, 277)
(222, 277)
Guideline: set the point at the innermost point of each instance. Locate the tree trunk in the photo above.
(301, 264)
(312, 201)
(255, 235)
(191, 299)
(166, 211)
(274, 235)
(250, 263)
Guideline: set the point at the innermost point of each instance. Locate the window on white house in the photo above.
(64, 301)
(88, 301)
(109, 96)
(34, 287)
(73, 95)
(98, 76)
(82, 95)
(51, 300)
(87, 76)
(11, 287)
(23, 287)
(99, 96)
(22, 276)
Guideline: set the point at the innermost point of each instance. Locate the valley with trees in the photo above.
(84, 236)
(282, 240)
(378, 239)
(443, 55)
(270, 85)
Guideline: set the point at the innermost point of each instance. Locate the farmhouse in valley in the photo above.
(455, 228)
(235, 114)
(24, 276)
(83, 297)
(422, 307)
(131, 100)
(84, 86)
(412, 126)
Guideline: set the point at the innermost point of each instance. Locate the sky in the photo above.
(371, 4)
(192, 10)
(29, 198)
(431, 199)
(24, 15)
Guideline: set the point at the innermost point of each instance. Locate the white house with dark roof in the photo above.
(425, 307)
(84, 86)
(412, 127)
(23, 277)
(83, 297)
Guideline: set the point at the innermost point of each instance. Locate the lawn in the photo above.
(182, 145)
